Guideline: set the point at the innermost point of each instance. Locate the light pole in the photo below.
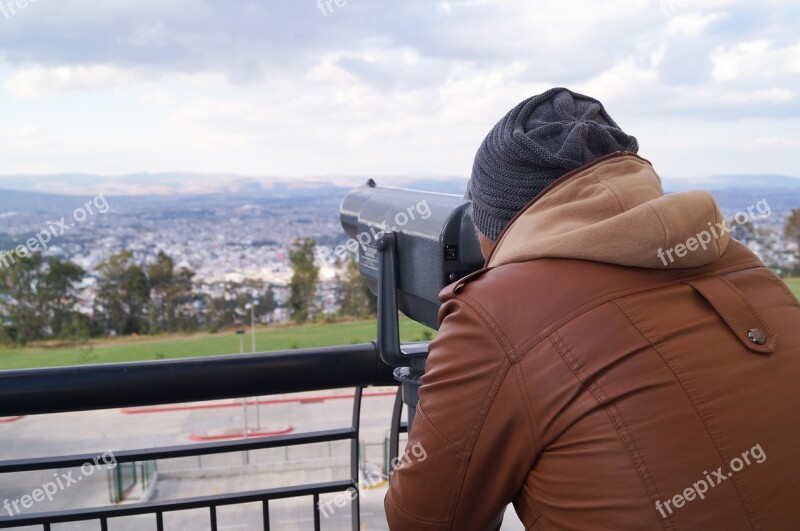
(252, 307)
(246, 454)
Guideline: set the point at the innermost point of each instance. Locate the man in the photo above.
(620, 363)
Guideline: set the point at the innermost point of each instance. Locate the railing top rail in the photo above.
(92, 387)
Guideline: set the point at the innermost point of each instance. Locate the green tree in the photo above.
(355, 297)
(171, 294)
(38, 297)
(792, 228)
(23, 299)
(160, 276)
(303, 286)
(266, 302)
(61, 296)
(123, 293)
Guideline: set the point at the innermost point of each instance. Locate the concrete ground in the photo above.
(115, 430)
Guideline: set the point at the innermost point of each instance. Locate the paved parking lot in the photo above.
(115, 430)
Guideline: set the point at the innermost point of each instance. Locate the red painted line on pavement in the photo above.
(304, 400)
(240, 435)
(9, 420)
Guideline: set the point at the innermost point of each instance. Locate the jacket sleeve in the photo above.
(470, 448)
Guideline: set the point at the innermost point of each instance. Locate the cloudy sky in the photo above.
(376, 87)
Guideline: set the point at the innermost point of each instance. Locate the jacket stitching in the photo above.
(463, 459)
(531, 415)
(715, 209)
(567, 316)
(731, 323)
(411, 516)
(606, 185)
(753, 311)
(500, 375)
(704, 417)
(617, 420)
(488, 402)
(453, 448)
(491, 324)
(665, 226)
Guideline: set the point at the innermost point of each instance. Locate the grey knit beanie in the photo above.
(540, 140)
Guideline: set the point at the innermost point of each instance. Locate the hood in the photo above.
(615, 211)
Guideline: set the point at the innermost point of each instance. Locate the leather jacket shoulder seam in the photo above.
(533, 421)
(490, 323)
(577, 311)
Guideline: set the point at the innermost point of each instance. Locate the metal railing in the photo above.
(94, 387)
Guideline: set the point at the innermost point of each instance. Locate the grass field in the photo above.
(794, 285)
(227, 342)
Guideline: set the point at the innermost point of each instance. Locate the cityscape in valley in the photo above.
(241, 235)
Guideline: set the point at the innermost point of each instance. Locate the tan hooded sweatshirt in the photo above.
(615, 212)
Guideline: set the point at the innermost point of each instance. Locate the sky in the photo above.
(299, 88)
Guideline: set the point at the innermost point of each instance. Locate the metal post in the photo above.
(252, 307)
(245, 454)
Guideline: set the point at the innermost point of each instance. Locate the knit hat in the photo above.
(540, 140)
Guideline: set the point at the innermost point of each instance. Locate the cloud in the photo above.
(382, 86)
(693, 24)
(759, 59)
(38, 81)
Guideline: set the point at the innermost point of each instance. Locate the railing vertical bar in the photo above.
(265, 510)
(213, 514)
(355, 504)
(103, 524)
(46, 527)
(317, 523)
(159, 521)
(394, 437)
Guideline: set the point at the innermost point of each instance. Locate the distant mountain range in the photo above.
(54, 192)
(152, 184)
(170, 184)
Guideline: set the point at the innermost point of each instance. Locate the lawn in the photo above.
(227, 342)
(794, 285)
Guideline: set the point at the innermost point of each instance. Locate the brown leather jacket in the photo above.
(595, 385)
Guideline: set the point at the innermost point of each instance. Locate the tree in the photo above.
(266, 302)
(355, 297)
(123, 293)
(38, 297)
(170, 292)
(23, 300)
(160, 275)
(792, 228)
(61, 297)
(303, 286)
